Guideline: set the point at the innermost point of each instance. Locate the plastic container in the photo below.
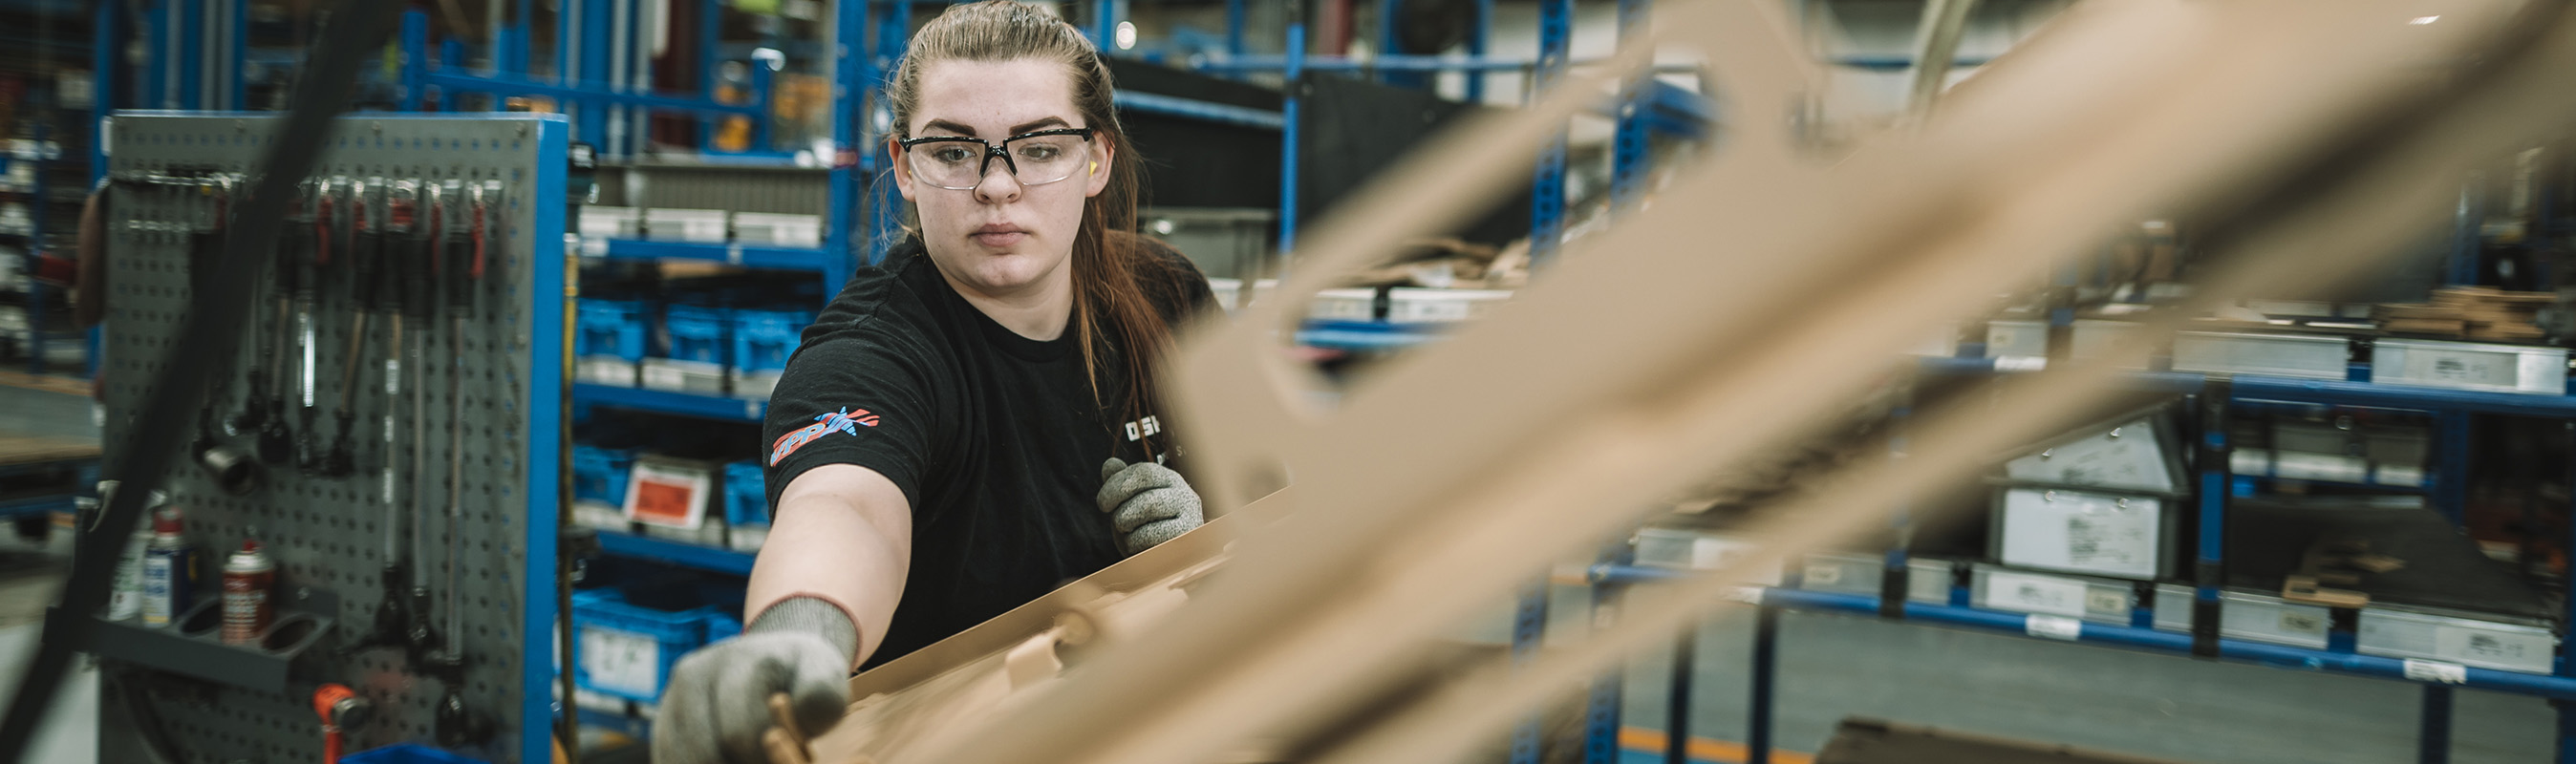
(701, 226)
(406, 753)
(599, 474)
(610, 328)
(698, 333)
(599, 222)
(782, 230)
(627, 650)
(746, 494)
(762, 339)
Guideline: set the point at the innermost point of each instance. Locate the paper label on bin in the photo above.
(2021, 363)
(2501, 648)
(1750, 595)
(2436, 671)
(2053, 627)
(1711, 553)
(617, 661)
(2035, 594)
(1824, 574)
(2108, 601)
(671, 498)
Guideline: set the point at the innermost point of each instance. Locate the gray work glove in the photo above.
(1147, 503)
(716, 705)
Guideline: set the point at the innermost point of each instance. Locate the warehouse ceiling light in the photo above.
(2423, 20)
(1126, 35)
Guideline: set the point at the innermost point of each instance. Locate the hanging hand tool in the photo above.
(308, 451)
(231, 469)
(413, 219)
(255, 405)
(294, 246)
(368, 220)
(462, 264)
(422, 301)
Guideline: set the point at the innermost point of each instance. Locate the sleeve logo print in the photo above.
(843, 420)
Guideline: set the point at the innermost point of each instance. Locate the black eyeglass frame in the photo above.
(1002, 150)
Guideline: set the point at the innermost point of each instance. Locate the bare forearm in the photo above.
(841, 537)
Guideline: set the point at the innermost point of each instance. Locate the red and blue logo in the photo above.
(826, 423)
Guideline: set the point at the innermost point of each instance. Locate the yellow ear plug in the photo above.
(1095, 167)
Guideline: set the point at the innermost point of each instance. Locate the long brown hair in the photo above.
(1111, 315)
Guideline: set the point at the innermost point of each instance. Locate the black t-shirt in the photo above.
(994, 438)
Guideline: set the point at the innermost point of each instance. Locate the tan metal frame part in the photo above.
(1743, 308)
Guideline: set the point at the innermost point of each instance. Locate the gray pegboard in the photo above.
(328, 532)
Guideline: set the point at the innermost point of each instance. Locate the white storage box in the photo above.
(600, 515)
(2303, 356)
(782, 230)
(1229, 293)
(611, 222)
(2448, 636)
(2029, 339)
(1344, 305)
(2081, 532)
(1997, 588)
(2132, 456)
(704, 226)
(756, 384)
(1926, 581)
(1433, 306)
(1691, 550)
(2248, 616)
(2471, 366)
(683, 376)
(747, 537)
(605, 370)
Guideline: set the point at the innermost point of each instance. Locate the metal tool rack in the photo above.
(237, 703)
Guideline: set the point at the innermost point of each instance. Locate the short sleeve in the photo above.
(850, 400)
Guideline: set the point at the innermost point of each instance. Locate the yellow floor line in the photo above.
(1702, 749)
(46, 382)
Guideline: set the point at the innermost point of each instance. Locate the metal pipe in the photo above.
(621, 28)
(1936, 44)
(1766, 669)
(1677, 703)
(2433, 743)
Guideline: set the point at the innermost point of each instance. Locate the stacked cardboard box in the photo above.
(2478, 313)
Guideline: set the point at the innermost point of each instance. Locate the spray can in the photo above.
(125, 601)
(168, 572)
(248, 575)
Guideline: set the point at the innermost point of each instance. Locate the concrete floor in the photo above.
(31, 575)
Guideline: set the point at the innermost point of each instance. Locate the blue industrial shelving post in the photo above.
(1529, 633)
(1289, 88)
(1547, 187)
(1601, 708)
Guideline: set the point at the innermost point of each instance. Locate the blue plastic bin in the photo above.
(746, 494)
(406, 753)
(762, 339)
(610, 328)
(698, 333)
(599, 474)
(654, 641)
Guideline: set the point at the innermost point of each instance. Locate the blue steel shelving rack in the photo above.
(2212, 493)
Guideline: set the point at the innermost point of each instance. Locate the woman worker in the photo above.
(972, 424)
